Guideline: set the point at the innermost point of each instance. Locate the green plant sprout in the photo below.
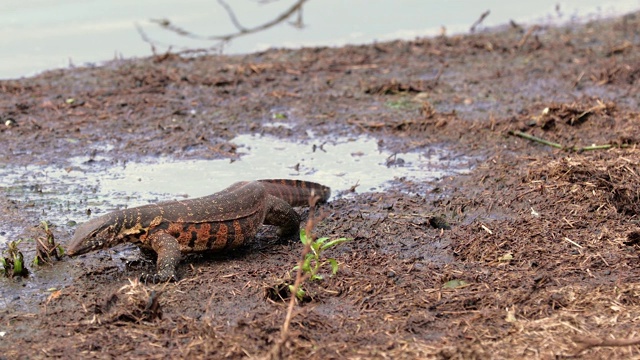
(313, 260)
(13, 263)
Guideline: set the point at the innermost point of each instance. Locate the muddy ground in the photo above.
(540, 261)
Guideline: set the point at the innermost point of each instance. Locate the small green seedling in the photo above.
(13, 262)
(313, 260)
(300, 293)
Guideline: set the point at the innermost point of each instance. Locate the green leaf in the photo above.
(316, 277)
(306, 265)
(334, 265)
(17, 264)
(335, 242)
(299, 293)
(315, 247)
(303, 237)
(60, 249)
(321, 240)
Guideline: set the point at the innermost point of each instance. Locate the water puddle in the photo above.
(100, 184)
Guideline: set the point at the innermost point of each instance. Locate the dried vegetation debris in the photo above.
(134, 302)
(615, 72)
(569, 229)
(612, 178)
(575, 113)
(46, 248)
(393, 87)
(570, 120)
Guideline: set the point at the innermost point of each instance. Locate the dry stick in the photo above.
(600, 147)
(437, 78)
(275, 351)
(232, 16)
(589, 342)
(241, 29)
(600, 106)
(479, 21)
(577, 82)
(536, 139)
(559, 146)
(166, 24)
(527, 35)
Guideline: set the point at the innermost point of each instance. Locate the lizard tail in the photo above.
(296, 192)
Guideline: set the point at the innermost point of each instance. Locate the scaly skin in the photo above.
(216, 222)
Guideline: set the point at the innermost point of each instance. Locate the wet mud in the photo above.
(532, 253)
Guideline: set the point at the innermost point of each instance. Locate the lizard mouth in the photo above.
(71, 252)
(81, 246)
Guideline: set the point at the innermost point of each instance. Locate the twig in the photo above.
(479, 21)
(166, 24)
(275, 352)
(561, 147)
(590, 111)
(619, 49)
(440, 71)
(527, 35)
(232, 16)
(536, 139)
(600, 147)
(572, 242)
(486, 229)
(577, 82)
(589, 342)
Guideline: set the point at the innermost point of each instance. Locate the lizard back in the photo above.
(296, 192)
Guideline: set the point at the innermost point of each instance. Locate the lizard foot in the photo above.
(158, 278)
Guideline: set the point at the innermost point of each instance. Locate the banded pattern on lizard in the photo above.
(217, 222)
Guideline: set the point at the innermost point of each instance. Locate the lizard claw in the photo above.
(158, 278)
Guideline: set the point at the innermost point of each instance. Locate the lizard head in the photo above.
(99, 233)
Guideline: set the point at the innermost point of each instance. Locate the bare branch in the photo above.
(167, 25)
(479, 21)
(232, 15)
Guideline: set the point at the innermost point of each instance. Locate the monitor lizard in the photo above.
(224, 220)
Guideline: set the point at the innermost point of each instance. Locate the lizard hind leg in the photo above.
(281, 214)
(168, 250)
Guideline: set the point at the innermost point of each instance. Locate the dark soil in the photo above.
(541, 260)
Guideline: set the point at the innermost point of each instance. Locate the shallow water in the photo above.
(97, 185)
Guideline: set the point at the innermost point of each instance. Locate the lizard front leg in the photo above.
(281, 214)
(168, 250)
